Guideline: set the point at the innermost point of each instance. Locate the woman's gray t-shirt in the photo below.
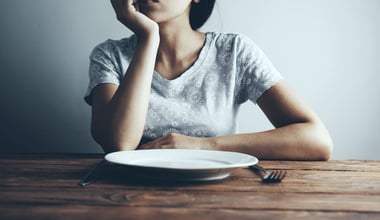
(204, 100)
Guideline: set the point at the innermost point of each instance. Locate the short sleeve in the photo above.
(102, 68)
(256, 72)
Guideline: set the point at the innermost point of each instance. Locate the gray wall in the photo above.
(328, 50)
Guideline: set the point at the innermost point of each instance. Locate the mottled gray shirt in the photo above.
(204, 100)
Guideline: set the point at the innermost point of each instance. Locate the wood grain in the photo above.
(36, 186)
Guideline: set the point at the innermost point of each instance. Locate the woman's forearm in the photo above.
(124, 116)
(299, 141)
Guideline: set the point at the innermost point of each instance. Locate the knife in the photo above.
(93, 174)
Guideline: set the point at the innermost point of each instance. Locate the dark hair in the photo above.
(200, 12)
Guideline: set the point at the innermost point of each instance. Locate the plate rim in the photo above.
(253, 160)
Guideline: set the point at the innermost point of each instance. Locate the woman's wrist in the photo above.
(151, 38)
(208, 143)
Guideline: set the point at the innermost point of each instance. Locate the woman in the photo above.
(171, 86)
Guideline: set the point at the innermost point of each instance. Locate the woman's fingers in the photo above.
(116, 4)
(151, 145)
(175, 141)
(159, 143)
(124, 8)
(128, 14)
(136, 5)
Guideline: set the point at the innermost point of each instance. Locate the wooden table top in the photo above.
(45, 186)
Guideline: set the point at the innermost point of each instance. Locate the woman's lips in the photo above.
(148, 1)
(147, 4)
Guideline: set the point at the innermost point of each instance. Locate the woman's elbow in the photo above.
(325, 146)
(109, 143)
(326, 150)
(113, 146)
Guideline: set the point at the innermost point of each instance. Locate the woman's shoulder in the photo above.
(120, 45)
(228, 36)
(223, 39)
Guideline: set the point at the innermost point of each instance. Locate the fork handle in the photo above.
(259, 168)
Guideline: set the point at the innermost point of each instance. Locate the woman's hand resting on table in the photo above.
(176, 141)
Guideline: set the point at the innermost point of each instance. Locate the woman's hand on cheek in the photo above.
(127, 12)
(175, 141)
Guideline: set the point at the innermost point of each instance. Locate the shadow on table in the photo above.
(138, 176)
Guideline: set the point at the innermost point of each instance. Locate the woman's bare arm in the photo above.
(119, 112)
(299, 133)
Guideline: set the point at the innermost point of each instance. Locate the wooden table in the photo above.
(46, 187)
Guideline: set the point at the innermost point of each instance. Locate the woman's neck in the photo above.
(179, 49)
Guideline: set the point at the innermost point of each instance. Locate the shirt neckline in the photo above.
(193, 68)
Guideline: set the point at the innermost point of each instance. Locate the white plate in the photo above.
(182, 165)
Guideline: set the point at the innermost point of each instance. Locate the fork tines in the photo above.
(274, 176)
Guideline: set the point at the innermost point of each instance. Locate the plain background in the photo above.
(328, 50)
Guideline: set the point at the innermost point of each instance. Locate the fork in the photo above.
(274, 176)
